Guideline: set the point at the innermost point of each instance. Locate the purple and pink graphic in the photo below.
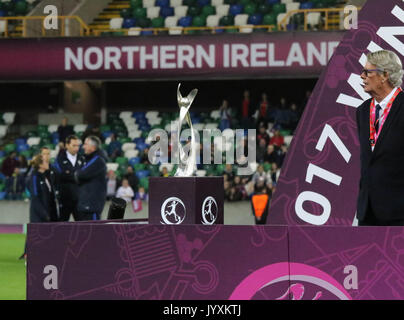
(131, 261)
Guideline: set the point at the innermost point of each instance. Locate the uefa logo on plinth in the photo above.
(173, 211)
(209, 211)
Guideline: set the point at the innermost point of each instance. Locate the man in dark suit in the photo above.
(380, 122)
(67, 162)
(91, 178)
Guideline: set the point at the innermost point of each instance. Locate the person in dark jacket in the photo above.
(64, 130)
(42, 206)
(91, 180)
(67, 162)
(9, 164)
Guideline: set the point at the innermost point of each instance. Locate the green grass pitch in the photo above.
(12, 270)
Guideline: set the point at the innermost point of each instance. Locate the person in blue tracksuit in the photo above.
(91, 179)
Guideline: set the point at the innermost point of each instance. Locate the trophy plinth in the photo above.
(186, 200)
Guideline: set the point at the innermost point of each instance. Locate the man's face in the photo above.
(45, 155)
(73, 147)
(64, 121)
(373, 80)
(88, 147)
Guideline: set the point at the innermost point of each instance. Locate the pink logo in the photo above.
(285, 271)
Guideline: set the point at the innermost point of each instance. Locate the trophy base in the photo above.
(186, 200)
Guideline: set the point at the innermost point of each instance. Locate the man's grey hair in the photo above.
(388, 62)
(95, 141)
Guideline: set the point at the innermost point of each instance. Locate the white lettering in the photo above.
(258, 52)
(208, 58)
(321, 55)
(185, 55)
(272, 60)
(295, 55)
(307, 216)
(130, 51)
(51, 280)
(77, 59)
(112, 56)
(351, 281)
(144, 57)
(98, 58)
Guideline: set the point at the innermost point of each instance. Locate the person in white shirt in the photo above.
(67, 162)
(125, 191)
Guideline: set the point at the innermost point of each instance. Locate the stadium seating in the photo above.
(179, 14)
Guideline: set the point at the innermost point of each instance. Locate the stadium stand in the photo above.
(145, 17)
(131, 130)
(14, 8)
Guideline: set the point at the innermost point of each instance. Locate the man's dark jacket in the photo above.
(382, 171)
(91, 178)
(68, 189)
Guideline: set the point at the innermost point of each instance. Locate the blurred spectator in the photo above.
(92, 131)
(125, 192)
(112, 184)
(274, 173)
(245, 110)
(277, 139)
(15, 185)
(263, 134)
(9, 164)
(261, 151)
(282, 154)
(22, 164)
(64, 130)
(144, 156)
(271, 155)
(282, 104)
(227, 186)
(114, 148)
(132, 178)
(164, 172)
(294, 116)
(260, 176)
(225, 116)
(305, 101)
(263, 109)
(240, 187)
(228, 172)
(141, 195)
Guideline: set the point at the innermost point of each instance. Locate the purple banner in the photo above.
(282, 54)
(367, 262)
(129, 261)
(319, 181)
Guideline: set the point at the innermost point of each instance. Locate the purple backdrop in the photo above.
(127, 261)
(377, 254)
(296, 54)
(319, 180)
(130, 261)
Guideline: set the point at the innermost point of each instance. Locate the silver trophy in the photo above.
(187, 165)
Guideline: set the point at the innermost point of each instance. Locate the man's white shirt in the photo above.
(383, 105)
(72, 158)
